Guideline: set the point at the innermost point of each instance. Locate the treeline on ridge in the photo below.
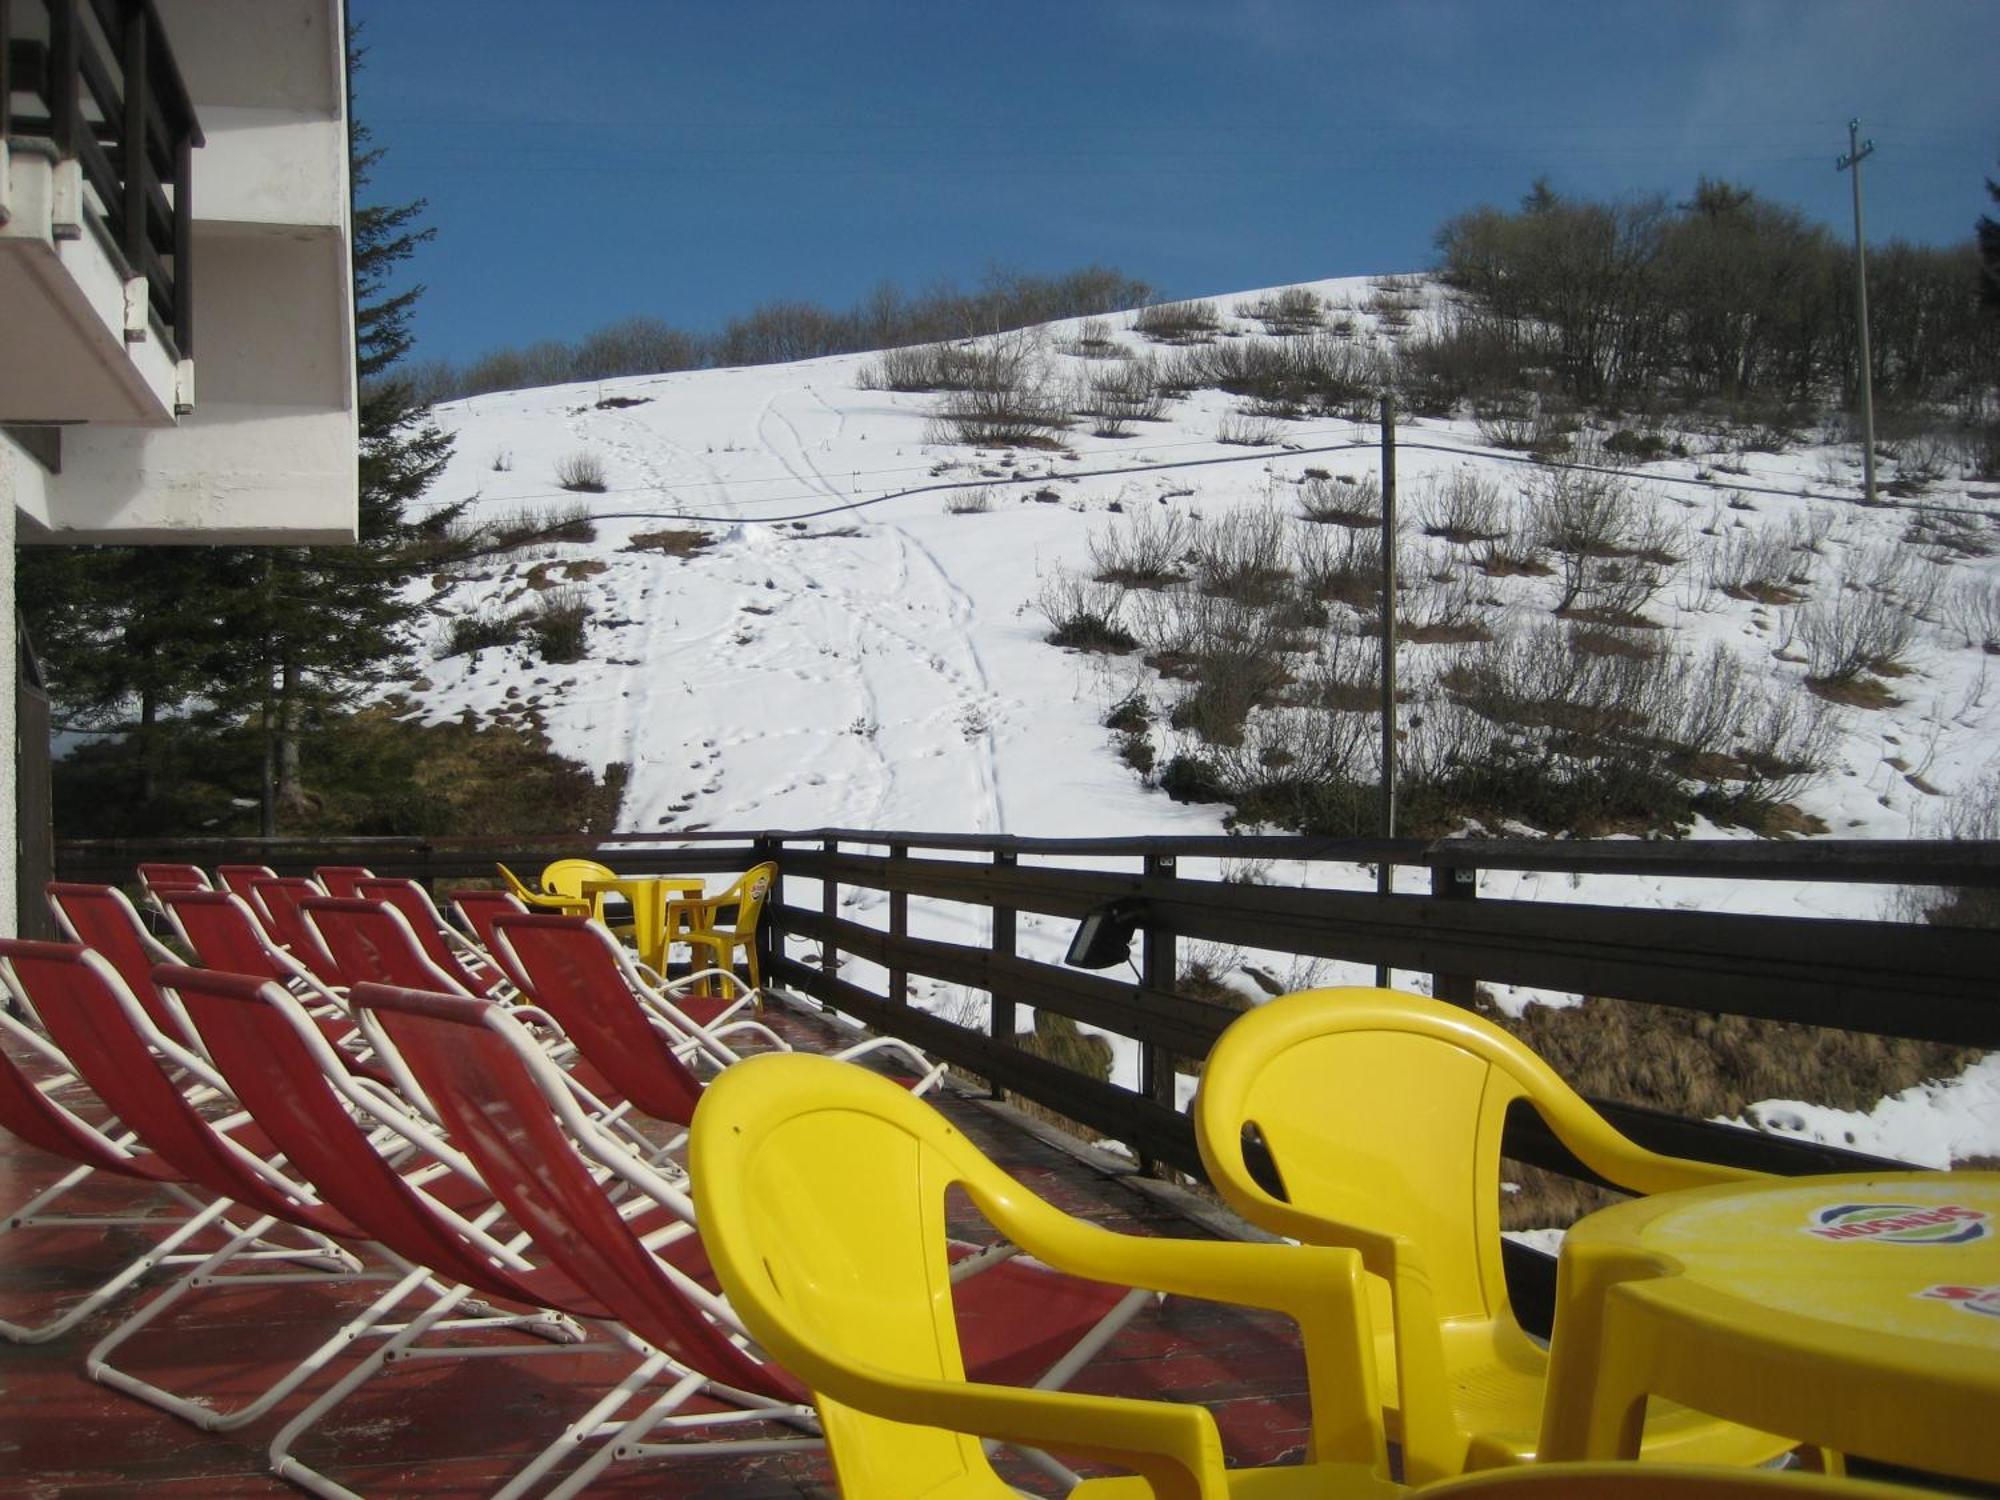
(789, 329)
(1726, 297)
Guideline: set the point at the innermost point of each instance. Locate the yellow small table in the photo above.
(648, 895)
(1857, 1313)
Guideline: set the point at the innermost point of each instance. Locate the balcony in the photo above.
(97, 135)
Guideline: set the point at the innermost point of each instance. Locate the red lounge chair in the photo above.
(101, 918)
(339, 880)
(270, 1053)
(236, 878)
(274, 903)
(504, 1105)
(479, 910)
(448, 948)
(33, 1114)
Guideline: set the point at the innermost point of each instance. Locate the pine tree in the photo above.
(1989, 251)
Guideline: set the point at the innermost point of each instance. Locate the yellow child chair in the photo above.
(534, 900)
(712, 940)
(1381, 1114)
(820, 1189)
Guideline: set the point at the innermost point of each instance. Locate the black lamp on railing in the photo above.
(1104, 936)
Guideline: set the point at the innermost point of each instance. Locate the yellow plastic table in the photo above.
(648, 895)
(1857, 1313)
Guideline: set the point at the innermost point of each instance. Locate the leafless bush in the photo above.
(1294, 311)
(1449, 609)
(1093, 340)
(556, 624)
(1286, 377)
(927, 367)
(1342, 501)
(968, 502)
(1466, 507)
(581, 471)
(1972, 609)
(1536, 430)
(1612, 556)
(1343, 567)
(1248, 432)
(1178, 322)
(1858, 629)
(1084, 615)
(1117, 397)
(1759, 563)
(1145, 549)
(1243, 555)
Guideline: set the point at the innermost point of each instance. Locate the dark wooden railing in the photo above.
(112, 100)
(1888, 978)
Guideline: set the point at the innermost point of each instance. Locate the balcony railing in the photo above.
(99, 83)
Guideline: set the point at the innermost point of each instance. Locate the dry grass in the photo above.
(1705, 1065)
(674, 543)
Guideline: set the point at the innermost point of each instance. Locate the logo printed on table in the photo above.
(1901, 1223)
(1978, 1299)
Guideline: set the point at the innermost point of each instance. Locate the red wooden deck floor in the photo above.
(461, 1427)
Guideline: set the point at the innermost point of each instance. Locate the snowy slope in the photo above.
(847, 651)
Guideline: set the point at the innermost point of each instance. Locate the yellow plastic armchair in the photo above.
(535, 900)
(820, 1188)
(1629, 1481)
(1375, 1120)
(712, 941)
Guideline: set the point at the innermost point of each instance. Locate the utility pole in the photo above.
(1385, 872)
(1857, 149)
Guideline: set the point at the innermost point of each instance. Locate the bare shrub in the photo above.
(1857, 630)
(1344, 567)
(1248, 432)
(968, 502)
(1342, 501)
(1025, 413)
(582, 471)
(556, 625)
(1753, 563)
(1283, 378)
(1084, 615)
(1092, 340)
(536, 528)
(1453, 609)
(1972, 609)
(1609, 553)
(1465, 507)
(1243, 555)
(1178, 322)
(1130, 392)
(1294, 311)
(1145, 549)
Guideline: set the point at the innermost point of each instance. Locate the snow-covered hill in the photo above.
(799, 618)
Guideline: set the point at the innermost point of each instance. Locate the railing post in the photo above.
(64, 113)
(184, 246)
(137, 157)
(1002, 1019)
(899, 929)
(1455, 883)
(770, 929)
(1159, 969)
(6, 76)
(829, 908)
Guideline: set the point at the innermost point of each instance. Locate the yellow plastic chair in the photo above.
(536, 900)
(1382, 1113)
(1630, 1481)
(820, 1189)
(712, 944)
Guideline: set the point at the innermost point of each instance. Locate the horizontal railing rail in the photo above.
(112, 99)
(1887, 978)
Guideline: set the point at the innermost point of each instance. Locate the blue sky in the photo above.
(601, 158)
